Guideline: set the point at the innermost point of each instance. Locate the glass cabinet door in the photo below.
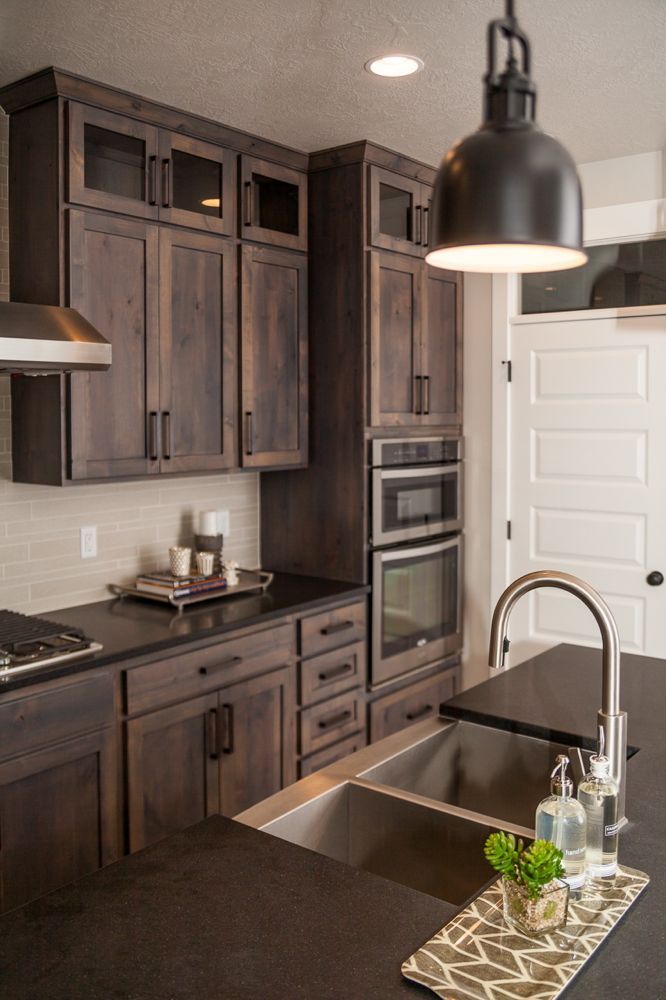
(399, 212)
(112, 162)
(196, 184)
(274, 201)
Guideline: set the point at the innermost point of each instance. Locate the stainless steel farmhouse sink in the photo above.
(417, 807)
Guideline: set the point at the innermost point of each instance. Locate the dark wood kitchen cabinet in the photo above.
(197, 185)
(274, 204)
(413, 703)
(274, 357)
(398, 212)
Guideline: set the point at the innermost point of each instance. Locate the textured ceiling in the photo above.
(292, 70)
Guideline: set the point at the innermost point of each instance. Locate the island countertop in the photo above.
(224, 911)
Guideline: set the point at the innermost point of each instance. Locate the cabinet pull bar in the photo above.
(426, 395)
(418, 229)
(418, 394)
(249, 448)
(338, 627)
(335, 720)
(419, 714)
(166, 176)
(247, 197)
(212, 734)
(166, 434)
(217, 668)
(228, 742)
(152, 436)
(330, 675)
(426, 227)
(152, 180)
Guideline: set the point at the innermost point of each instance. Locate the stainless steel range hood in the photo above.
(36, 339)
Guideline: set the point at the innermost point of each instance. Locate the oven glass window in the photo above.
(420, 600)
(419, 501)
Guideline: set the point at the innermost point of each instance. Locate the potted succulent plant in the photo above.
(535, 897)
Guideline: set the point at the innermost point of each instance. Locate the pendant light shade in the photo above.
(508, 197)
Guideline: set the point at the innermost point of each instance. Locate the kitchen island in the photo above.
(222, 910)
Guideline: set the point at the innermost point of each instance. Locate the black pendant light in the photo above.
(507, 198)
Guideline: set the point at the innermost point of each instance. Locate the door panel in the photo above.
(197, 352)
(113, 282)
(395, 335)
(588, 478)
(274, 357)
(395, 219)
(441, 347)
(196, 184)
(274, 204)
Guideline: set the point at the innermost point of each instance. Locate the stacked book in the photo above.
(167, 585)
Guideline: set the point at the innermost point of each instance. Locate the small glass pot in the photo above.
(536, 916)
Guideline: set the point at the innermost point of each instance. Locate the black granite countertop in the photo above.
(131, 627)
(223, 911)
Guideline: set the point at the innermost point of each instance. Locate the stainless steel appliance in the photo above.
(47, 339)
(416, 556)
(27, 642)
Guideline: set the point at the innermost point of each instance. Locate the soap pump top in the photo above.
(599, 763)
(560, 782)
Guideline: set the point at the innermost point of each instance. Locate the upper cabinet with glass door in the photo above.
(127, 166)
(274, 204)
(399, 212)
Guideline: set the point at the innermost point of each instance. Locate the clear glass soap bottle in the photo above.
(598, 794)
(561, 819)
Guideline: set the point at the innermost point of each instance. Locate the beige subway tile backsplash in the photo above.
(40, 564)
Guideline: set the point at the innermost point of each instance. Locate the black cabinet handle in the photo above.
(212, 734)
(335, 720)
(426, 227)
(249, 446)
(152, 436)
(166, 183)
(418, 228)
(426, 395)
(217, 668)
(228, 742)
(419, 714)
(247, 208)
(338, 627)
(655, 578)
(418, 394)
(152, 180)
(166, 434)
(334, 672)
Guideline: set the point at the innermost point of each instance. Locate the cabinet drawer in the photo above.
(410, 705)
(331, 629)
(206, 669)
(330, 755)
(331, 673)
(67, 710)
(331, 721)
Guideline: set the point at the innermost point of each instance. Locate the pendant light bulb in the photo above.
(507, 198)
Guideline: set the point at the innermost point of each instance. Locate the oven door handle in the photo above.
(410, 551)
(421, 472)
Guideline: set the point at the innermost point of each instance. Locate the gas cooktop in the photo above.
(27, 642)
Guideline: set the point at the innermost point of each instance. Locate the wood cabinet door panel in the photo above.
(113, 282)
(274, 357)
(172, 769)
(395, 212)
(196, 184)
(415, 703)
(258, 754)
(58, 816)
(441, 347)
(198, 354)
(274, 204)
(395, 337)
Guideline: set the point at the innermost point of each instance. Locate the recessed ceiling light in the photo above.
(394, 65)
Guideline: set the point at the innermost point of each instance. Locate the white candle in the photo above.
(207, 522)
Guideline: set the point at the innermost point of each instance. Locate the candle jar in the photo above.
(211, 543)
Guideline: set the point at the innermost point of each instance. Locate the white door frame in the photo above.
(614, 224)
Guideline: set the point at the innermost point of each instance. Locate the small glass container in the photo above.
(535, 916)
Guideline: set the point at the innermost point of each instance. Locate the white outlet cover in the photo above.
(224, 523)
(89, 542)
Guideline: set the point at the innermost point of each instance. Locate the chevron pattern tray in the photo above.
(477, 956)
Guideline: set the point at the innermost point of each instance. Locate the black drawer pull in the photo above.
(419, 714)
(334, 629)
(335, 720)
(216, 668)
(330, 675)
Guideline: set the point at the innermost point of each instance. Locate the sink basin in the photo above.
(489, 771)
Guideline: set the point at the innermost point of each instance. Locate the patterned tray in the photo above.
(477, 956)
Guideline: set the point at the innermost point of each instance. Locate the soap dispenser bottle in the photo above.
(561, 819)
(598, 794)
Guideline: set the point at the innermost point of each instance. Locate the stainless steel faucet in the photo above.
(610, 718)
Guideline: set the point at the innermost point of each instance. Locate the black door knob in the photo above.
(655, 578)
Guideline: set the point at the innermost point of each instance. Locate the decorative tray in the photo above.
(477, 956)
(248, 580)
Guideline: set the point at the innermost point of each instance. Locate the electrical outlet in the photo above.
(224, 523)
(88, 542)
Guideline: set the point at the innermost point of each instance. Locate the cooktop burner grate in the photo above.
(17, 630)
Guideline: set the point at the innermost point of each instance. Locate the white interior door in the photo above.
(588, 476)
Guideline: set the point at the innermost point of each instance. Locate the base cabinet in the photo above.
(412, 704)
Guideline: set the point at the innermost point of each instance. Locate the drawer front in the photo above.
(331, 629)
(178, 677)
(330, 755)
(65, 711)
(333, 720)
(332, 673)
(410, 705)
